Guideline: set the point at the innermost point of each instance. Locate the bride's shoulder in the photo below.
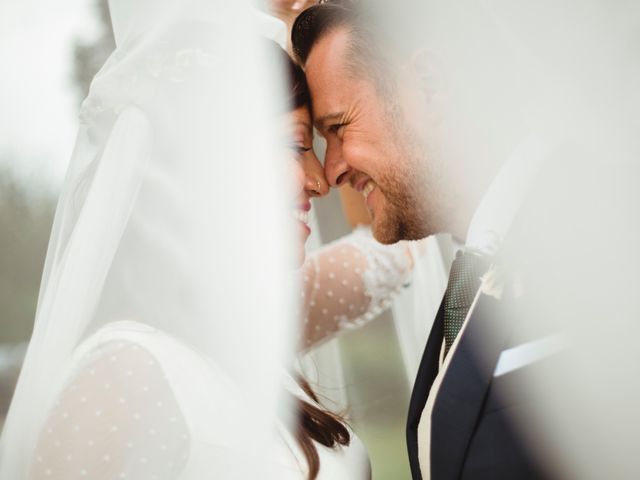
(126, 344)
(144, 366)
(129, 384)
(132, 348)
(120, 336)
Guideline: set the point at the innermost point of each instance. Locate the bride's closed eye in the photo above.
(300, 149)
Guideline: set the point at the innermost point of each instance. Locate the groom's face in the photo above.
(368, 145)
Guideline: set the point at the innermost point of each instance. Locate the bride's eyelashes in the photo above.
(300, 149)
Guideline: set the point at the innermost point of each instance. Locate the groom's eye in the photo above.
(335, 128)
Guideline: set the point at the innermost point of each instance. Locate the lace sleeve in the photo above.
(349, 282)
(117, 418)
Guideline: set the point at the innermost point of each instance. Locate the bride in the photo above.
(161, 335)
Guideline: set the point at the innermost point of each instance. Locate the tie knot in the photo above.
(464, 281)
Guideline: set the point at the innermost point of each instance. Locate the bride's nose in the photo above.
(316, 185)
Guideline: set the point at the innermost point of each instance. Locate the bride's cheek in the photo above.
(298, 175)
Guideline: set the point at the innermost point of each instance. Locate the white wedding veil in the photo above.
(176, 177)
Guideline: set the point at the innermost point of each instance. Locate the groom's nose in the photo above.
(335, 168)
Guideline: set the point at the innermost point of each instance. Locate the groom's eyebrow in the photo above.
(321, 122)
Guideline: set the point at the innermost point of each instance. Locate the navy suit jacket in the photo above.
(472, 431)
(480, 423)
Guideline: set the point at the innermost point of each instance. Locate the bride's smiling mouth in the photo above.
(301, 213)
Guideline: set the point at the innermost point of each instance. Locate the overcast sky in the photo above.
(38, 101)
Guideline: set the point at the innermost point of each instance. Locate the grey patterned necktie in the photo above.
(464, 281)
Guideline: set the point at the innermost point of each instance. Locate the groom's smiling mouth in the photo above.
(368, 188)
(364, 185)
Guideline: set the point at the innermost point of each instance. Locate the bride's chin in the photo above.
(301, 256)
(302, 252)
(302, 241)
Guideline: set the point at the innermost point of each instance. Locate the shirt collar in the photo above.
(498, 207)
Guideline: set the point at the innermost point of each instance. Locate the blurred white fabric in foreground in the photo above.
(566, 73)
(157, 221)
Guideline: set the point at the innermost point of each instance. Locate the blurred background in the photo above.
(50, 52)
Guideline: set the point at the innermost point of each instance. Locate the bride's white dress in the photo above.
(139, 404)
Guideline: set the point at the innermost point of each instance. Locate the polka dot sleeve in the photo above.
(116, 418)
(349, 282)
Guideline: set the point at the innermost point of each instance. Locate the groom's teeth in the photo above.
(301, 216)
(368, 188)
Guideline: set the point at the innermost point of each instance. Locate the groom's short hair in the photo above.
(366, 56)
(314, 22)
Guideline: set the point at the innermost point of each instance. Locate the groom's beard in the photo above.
(403, 214)
(413, 206)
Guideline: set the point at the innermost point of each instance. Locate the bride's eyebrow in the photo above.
(307, 126)
(322, 121)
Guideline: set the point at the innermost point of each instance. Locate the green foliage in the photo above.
(25, 224)
(26, 216)
(90, 56)
(379, 396)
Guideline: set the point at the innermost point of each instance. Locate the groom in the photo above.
(470, 416)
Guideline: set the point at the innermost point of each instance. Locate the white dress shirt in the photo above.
(489, 224)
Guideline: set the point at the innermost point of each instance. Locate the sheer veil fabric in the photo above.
(175, 174)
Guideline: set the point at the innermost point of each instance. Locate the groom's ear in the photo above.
(423, 96)
(424, 72)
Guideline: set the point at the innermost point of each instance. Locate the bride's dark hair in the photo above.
(314, 423)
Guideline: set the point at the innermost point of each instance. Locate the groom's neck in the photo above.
(474, 186)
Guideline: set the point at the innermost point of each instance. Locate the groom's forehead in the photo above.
(342, 56)
(328, 74)
(329, 53)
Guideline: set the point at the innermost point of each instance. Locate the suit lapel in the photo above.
(465, 384)
(424, 380)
